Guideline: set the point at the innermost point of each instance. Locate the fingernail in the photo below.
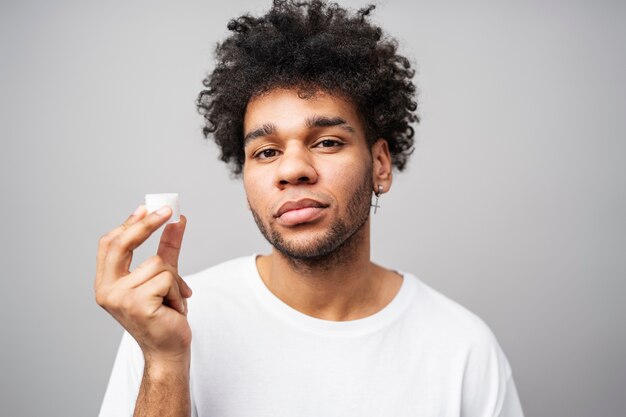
(138, 210)
(163, 211)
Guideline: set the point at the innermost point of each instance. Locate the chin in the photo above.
(309, 247)
(316, 241)
(315, 245)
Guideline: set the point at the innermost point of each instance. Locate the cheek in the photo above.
(257, 196)
(346, 177)
(251, 193)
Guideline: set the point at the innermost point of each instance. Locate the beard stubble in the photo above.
(338, 246)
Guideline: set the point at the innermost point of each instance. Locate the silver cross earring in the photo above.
(377, 194)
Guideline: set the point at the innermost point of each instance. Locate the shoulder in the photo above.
(447, 320)
(460, 330)
(462, 340)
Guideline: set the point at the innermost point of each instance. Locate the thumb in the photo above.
(171, 241)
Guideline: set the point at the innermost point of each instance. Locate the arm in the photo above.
(150, 303)
(164, 390)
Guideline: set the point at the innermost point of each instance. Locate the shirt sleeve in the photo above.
(511, 406)
(488, 386)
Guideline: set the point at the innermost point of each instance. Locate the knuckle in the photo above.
(116, 242)
(166, 279)
(154, 263)
(170, 278)
(120, 242)
(145, 226)
(100, 298)
(156, 260)
(105, 239)
(112, 303)
(145, 311)
(106, 300)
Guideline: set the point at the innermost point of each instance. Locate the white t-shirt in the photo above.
(422, 355)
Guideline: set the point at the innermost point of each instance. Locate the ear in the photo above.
(381, 165)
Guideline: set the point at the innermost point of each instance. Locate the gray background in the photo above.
(513, 203)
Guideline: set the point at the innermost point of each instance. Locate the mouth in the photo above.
(301, 211)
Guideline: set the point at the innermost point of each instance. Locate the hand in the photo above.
(149, 302)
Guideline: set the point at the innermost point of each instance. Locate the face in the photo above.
(308, 171)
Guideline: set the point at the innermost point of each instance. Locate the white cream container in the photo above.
(156, 201)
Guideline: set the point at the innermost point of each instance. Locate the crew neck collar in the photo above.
(385, 316)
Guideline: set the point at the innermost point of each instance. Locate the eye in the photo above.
(329, 143)
(266, 153)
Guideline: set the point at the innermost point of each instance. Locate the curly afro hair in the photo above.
(312, 46)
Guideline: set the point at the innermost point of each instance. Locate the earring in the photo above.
(377, 194)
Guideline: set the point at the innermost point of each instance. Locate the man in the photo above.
(312, 106)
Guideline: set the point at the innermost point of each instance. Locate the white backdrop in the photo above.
(513, 203)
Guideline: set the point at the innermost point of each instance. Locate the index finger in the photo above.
(103, 244)
(120, 252)
(171, 241)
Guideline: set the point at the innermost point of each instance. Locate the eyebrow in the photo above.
(321, 121)
(311, 122)
(265, 130)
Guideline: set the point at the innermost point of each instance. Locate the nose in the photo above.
(295, 167)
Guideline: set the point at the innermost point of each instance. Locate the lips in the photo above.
(300, 211)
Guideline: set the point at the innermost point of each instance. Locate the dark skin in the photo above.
(297, 161)
(150, 303)
(310, 173)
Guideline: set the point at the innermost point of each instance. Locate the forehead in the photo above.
(285, 108)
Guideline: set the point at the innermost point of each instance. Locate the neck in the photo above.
(344, 285)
